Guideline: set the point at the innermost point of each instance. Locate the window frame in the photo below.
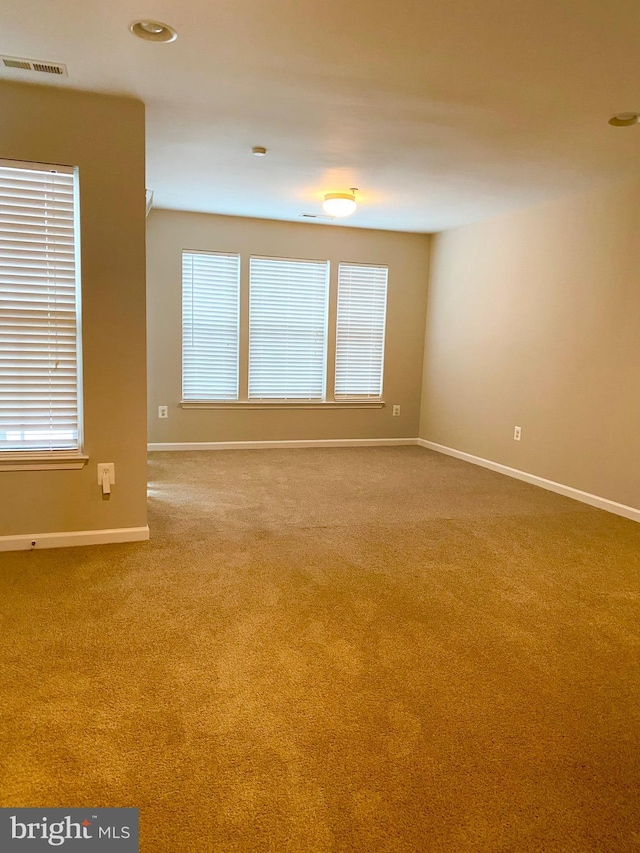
(328, 402)
(72, 458)
(238, 327)
(363, 397)
(325, 343)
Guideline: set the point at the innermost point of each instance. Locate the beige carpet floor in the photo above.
(334, 650)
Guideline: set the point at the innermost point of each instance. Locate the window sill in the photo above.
(10, 461)
(283, 404)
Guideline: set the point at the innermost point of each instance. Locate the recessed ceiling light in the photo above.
(153, 31)
(258, 150)
(340, 204)
(624, 119)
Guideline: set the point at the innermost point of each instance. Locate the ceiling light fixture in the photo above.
(258, 150)
(340, 204)
(153, 31)
(624, 119)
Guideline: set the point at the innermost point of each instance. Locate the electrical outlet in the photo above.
(109, 468)
(106, 476)
(517, 433)
(396, 411)
(163, 411)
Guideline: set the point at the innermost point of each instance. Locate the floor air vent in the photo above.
(34, 65)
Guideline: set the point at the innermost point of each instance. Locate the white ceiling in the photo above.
(440, 111)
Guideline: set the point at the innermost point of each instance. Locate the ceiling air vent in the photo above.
(17, 63)
(34, 65)
(49, 68)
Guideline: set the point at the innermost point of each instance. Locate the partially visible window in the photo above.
(39, 308)
(287, 329)
(210, 325)
(362, 305)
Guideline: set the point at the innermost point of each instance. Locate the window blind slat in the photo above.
(38, 309)
(210, 325)
(287, 329)
(360, 331)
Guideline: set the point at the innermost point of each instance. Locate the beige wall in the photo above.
(169, 232)
(104, 137)
(534, 320)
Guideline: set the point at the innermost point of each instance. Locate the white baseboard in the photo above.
(281, 445)
(25, 542)
(551, 486)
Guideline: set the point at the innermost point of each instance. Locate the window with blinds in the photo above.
(362, 305)
(39, 308)
(287, 329)
(210, 325)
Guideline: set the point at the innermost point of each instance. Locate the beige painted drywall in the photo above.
(104, 137)
(169, 232)
(534, 320)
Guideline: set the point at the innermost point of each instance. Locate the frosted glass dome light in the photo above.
(340, 204)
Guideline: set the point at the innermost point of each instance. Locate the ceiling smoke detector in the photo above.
(624, 119)
(153, 31)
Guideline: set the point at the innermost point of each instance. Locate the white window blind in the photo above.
(210, 325)
(39, 303)
(287, 329)
(362, 305)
